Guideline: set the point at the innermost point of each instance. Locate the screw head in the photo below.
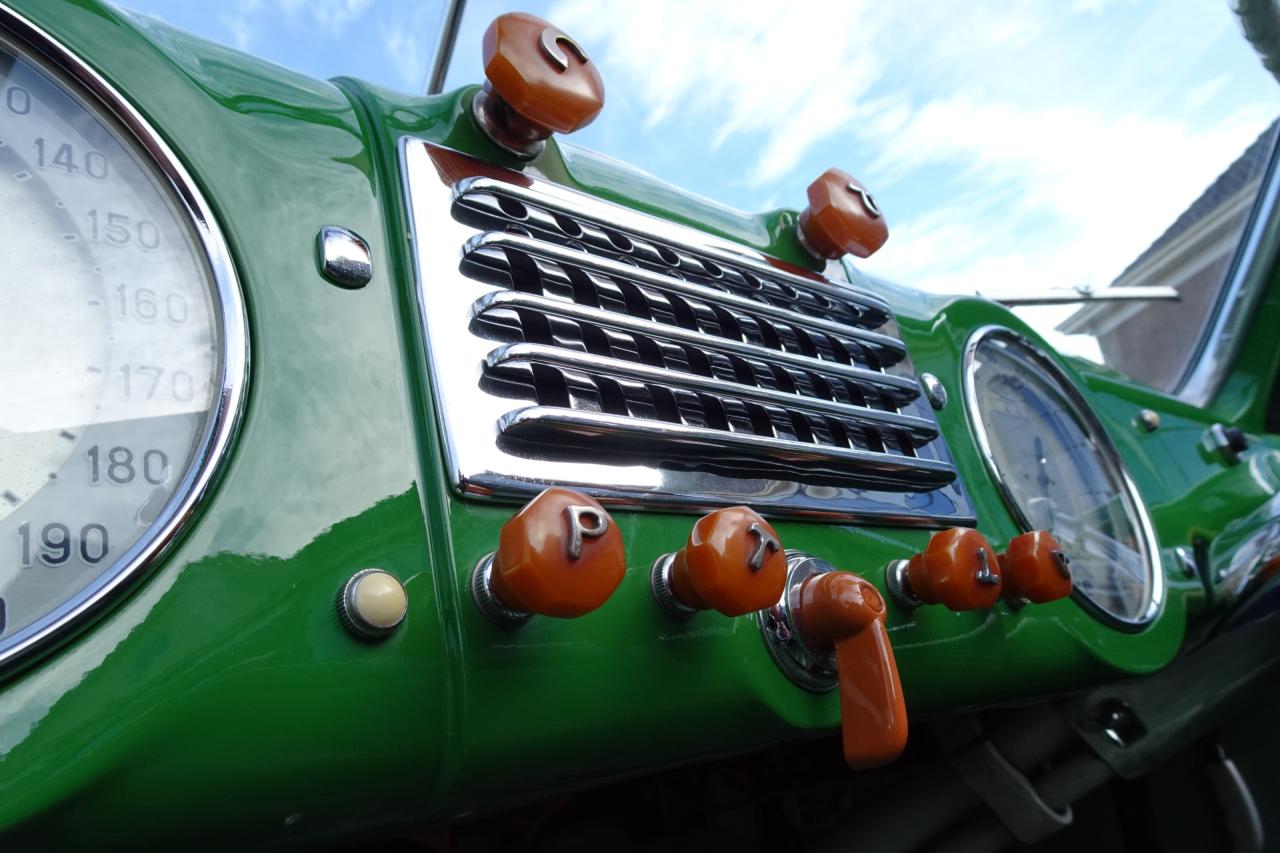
(934, 391)
(1148, 420)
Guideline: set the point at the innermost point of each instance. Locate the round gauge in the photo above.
(1058, 471)
(122, 348)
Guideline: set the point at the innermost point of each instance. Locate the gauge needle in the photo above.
(1043, 479)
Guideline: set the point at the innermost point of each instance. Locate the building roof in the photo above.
(1249, 166)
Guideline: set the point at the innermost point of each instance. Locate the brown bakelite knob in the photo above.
(540, 81)
(841, 609)
(841, 218)
(957, 569)
(1036, 568)
(561, 555)
(733, 563)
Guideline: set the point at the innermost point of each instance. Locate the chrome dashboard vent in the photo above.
(578, 342)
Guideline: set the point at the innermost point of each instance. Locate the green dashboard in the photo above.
(212, 693)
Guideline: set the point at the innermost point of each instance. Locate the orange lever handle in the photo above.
(844, 610)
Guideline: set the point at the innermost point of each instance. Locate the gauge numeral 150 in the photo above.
(121, 466)
(117, 229)
(54, 544)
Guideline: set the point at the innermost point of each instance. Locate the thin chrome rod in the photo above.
(444, 50)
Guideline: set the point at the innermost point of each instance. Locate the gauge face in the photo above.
(1060, 473)
(113, 355)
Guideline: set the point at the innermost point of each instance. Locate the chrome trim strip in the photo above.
(1135, 508)
(605, 266)
(1250, 272)
(449, 27)
(471, 405)
(873, 470)
(905, 389)
(223, 418)
(607, 215)
(922, 430)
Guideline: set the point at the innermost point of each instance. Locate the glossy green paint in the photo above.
(222, 702)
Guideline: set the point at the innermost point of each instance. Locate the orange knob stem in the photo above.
(957, 569)
(540, 81)
(842, 218)
(561, 555)
(841, 609)
(1035, 568)
(733, 563)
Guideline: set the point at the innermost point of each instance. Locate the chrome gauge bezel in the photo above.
(230, 323)
(1135, 509)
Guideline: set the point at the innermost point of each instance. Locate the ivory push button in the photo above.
(1035, 568)
(843, 610)
(561, 555)
(842, 218)
(957, 569)
(372, 604)
(733, 563)
(540, 81)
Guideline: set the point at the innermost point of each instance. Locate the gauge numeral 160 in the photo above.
(146, 305)
(55, 545)
(120, 466)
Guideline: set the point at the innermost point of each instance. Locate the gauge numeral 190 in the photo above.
(147, 381)
(144, 304)
(55, 545)
(64, 156)
(117, 229)
(17, 100)
(120, 466)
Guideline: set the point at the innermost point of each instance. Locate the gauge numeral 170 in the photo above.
(54, 545)
(148, 381)
(121, 466)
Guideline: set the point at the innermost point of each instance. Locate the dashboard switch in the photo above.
(733, 563)
(1036, 568)
(561, 555)
(843, 610)
(540, 81)
(957, 569)
(842, 217)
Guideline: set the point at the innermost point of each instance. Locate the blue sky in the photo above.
(1013, 145)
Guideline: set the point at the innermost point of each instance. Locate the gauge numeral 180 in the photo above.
(121, 466)
(146, 305)
(64, 156)
(117, 229)
(17, 100)
(147, 381)
(55, 545)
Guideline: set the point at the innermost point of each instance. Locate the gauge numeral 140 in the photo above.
(119, 230)
(120, 466)
(54, 155)
(54, 544)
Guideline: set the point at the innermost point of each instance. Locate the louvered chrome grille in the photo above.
(573, 341)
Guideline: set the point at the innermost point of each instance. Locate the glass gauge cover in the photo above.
(122, 352)
(1059, 472)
